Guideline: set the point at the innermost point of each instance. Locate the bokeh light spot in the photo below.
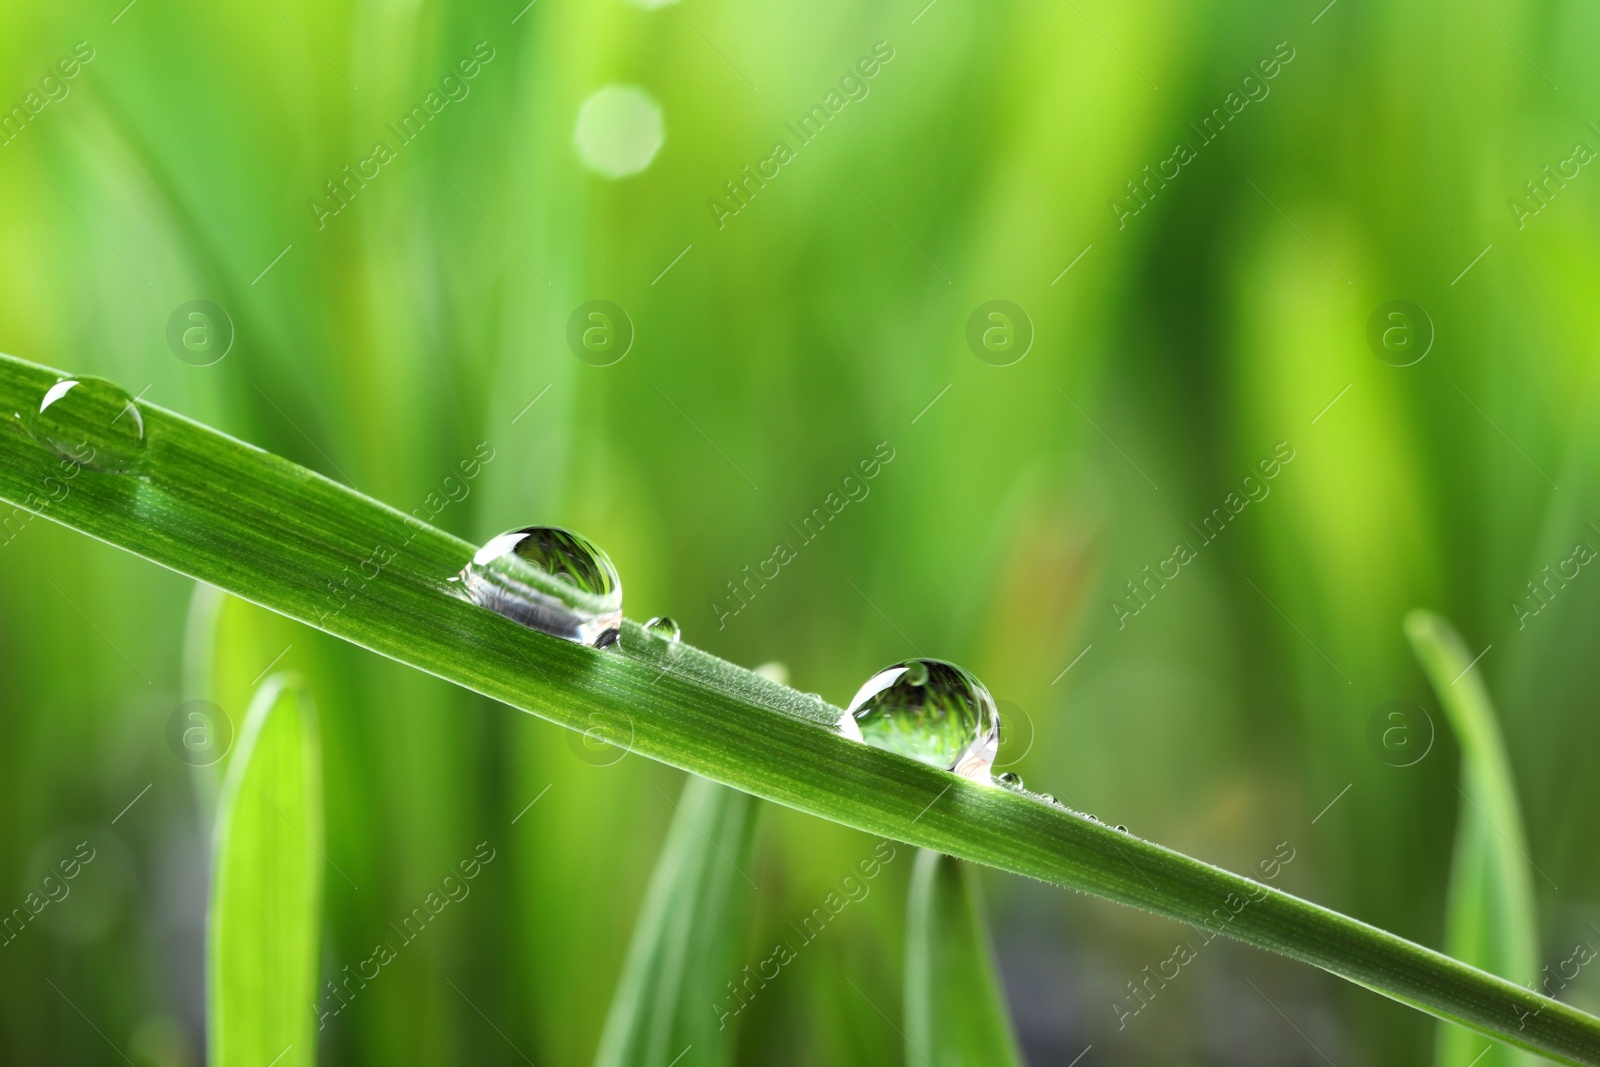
(619, 131)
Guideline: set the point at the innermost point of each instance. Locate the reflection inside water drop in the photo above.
(930, 710)
(548, 579)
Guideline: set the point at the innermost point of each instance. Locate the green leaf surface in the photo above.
(1490, 920)
(673, 1004)
(291, 540)
(225, 657)
(955, 1010)
(266, 888)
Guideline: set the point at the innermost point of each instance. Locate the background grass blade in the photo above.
(266, 890)
(268, 530)
(688, 938)
(955, 1009)
(229, 648)
(1490, 921)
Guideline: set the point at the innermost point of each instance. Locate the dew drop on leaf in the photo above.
(663, 626)
(930, 710)
(91, 422)
(548, 579)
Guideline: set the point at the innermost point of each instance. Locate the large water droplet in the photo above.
(91, 422)
(930, 710)
(664, 626)
(549, 579)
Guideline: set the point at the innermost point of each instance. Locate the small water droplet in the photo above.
(1009, 779)
(549, 579)
(817, 697)
(1121, 829)
(1091, 817)
(663, 626)
(91, 422)
(774, 672)
(930, 710)
(1048, 799)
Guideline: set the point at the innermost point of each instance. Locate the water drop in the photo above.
(817, 697)
(930, 710)
(1048, 799)
(91, 422)
(1121, 829)
(663, 626)
(549, 579)
(1009, 779)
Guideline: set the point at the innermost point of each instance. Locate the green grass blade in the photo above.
(269, 531)
(266, 888)
(673, 1004)
(955, 1010)
(229, 646)
(1490, 921)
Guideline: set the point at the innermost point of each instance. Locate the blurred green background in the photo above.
(1208, 332)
